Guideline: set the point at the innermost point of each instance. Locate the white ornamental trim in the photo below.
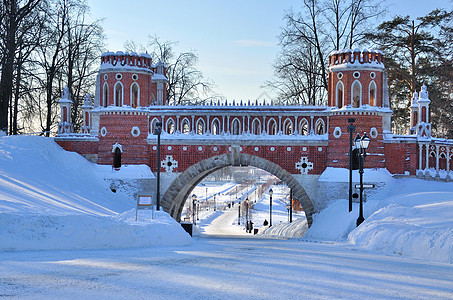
(103, 131)
(135, 131)
(117, 145)
(337, 132)
(272, 149)
(373, 132)
(256, 148)
(288, 149)
(169, 148)
(304, 165)
(184, 148)
(169, 163)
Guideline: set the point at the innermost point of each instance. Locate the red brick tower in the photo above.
(127, 84)
(357, 89)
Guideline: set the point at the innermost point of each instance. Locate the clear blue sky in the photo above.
(236, 40)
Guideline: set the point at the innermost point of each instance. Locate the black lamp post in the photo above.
(198, 209)
(361, 143)
(214, 203)
(270, 207)
(194, 207)
(158, 131)
(351, 129)
(239, 212)
(291, 205)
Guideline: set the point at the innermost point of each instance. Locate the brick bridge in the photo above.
(294, 143)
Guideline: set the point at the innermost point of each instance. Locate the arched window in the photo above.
(340, 95)
(288, 127)
(356, 94)
(235, 127)
(256, 127)
(372, 95)
(272, 127)
(105, 95)
(200, 126)
(118, 94)
(303, 127)
(152, 124)
(135, 95)
(185, 126)
(170, 126)
(215, 127)
(320, 127)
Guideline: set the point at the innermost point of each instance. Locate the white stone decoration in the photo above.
(337, 132)
(154, 147)
(184, 148)
(320, 149)
(304, 148)
(119, 76)
(373, 132)
(169, 163)
(169, 148)
(272, 149)
(135, 131)
(103, 131)
(256, 148)
(304, 165)
(288, 149)
(200, 148)
(117, 145)
(106, 76)
(215, 149)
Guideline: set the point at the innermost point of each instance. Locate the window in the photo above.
(256, 127)
(117, 158)
(303, 128)
(340, 95)
(135, 94)
(118, 94)
(372, 99)
(170, 126)
(236, 127)
(105, 98)
(356, 94)
(215, 127)
(272, 127)
(320, 127)
(185, 126)
(200, 126)
(288, 127)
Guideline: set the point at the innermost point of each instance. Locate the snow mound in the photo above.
(54, 199)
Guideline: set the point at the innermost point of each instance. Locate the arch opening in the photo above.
(181, 188)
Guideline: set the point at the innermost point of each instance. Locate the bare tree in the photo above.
(309, 35)
(13, 13)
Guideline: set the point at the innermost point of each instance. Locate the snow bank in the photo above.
(47, 232)
(409, 217)
(53, 199)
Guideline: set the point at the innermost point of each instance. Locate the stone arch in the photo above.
(215, 126)
(272, 127)
(303, 127)
(256, 126)
(288, 127)
(320, 127)
(170, 126)
(236, 127)
(180, 189)
(200, 126)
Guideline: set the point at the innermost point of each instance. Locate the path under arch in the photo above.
(180, 189)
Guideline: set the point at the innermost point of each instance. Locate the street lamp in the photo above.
(194, 204)
(214, 203)
(239, 212)
(158, 131)
(270, 207)
(351, 129)
(361, 143)
(247, 208)
(198, 209)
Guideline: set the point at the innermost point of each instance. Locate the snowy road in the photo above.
(222, 269)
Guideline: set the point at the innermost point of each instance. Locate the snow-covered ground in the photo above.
(53, 199)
